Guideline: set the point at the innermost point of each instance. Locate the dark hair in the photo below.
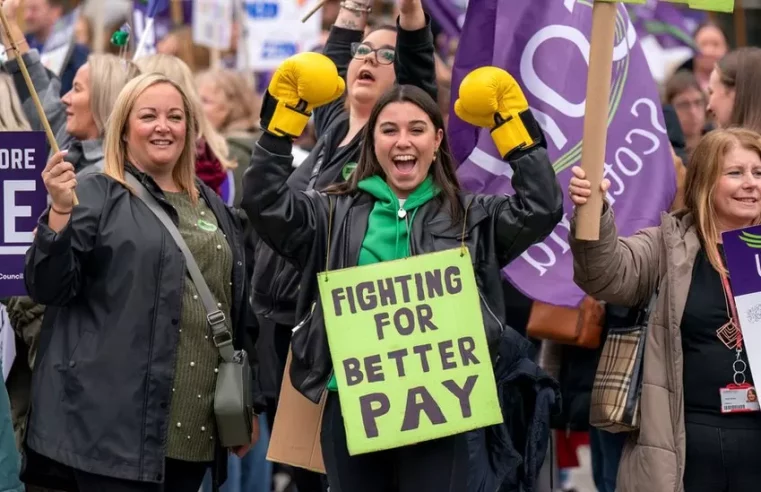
(740, 70)
(443, 167)
(680, 82)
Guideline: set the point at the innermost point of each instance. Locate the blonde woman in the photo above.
(212, 161)
(78, 119)
(123, 398)
(687, 440)
(231, 106)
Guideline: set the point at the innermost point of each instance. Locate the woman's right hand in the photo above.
(60, 180)
(579, 189)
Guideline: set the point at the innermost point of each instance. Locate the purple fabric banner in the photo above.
(742, 248)
(673, 25)
(544, 44)
(24, 198)
(447, 14)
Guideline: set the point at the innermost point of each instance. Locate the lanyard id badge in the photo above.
(739, 397)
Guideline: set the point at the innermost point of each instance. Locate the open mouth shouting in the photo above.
(365, 76)
(404, 163)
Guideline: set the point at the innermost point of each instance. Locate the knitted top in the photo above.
(192, 428)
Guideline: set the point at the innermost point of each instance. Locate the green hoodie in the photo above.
(388, 226)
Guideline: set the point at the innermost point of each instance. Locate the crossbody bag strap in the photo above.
(217, 320)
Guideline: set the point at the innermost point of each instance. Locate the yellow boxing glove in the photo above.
(491, 98)
(301, 83)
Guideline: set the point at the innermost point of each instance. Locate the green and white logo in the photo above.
(751, 240)
(347, 170)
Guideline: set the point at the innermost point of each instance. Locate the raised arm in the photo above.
(621, 271)
(65, 237)
(285, 219)
(349, 28)
(415, 62)
(47, 86)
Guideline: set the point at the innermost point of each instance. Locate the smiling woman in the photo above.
(125, 301)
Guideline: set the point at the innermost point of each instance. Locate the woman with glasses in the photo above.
(370, 65)
(684, 94)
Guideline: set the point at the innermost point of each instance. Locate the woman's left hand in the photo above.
(411, 14)
(241, 451)
(409, 6)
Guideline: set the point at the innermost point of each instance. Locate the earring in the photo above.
(435, 155)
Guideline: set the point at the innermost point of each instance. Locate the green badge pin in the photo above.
(347, 170)
(206, 226)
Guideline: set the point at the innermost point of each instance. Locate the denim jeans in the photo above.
(252, 473)
(606, 449)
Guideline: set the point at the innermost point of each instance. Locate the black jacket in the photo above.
(296, 225)
(102, 386)
(275, 284)
(508, 457)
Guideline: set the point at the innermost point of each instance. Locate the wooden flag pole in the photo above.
(32, 91)
(595, 134)
(314, 10)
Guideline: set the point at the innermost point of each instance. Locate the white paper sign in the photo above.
(7, 343)
(273, 31)
(213, 23)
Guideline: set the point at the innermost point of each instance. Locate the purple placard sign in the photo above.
(24, 198)
(742, 249)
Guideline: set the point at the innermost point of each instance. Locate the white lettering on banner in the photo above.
(628, 163)
(16, 159)
(11, 211)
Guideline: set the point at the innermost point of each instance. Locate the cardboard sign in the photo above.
(295, 438)
(24, 199)
(714, 5)
(409, 350)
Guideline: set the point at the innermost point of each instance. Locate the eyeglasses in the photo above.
(384, 56)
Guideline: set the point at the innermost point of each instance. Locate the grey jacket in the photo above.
(87, 155)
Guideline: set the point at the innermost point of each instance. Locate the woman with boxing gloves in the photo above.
(370, 65)
(696, 433)
(403, 197)
(123, 396)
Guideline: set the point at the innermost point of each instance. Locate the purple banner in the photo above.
(24, 198)
(742, 249)
(673, 25)
(544, 44)
(447, 14)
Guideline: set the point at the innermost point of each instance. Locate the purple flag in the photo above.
(673, 25)
(156, 7)
(544, 44)
(447, 14)
(22, 159)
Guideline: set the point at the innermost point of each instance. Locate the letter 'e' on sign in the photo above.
(409, 350)
(23, 199)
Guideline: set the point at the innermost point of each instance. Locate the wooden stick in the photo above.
(314, 10)
(32, 91)
(595, 134)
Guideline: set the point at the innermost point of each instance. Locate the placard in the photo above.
(409, 350)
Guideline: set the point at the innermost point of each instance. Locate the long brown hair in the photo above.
(740, 70)
(703, 174)
(442, 169)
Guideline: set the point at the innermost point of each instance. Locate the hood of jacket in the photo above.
(389, 223)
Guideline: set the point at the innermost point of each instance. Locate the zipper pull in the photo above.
(401, 213)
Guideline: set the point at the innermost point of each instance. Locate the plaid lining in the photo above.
(613, 383)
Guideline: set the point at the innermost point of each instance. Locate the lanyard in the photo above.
(731, 335)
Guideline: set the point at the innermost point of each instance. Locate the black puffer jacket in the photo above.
(295, 224)
(103, 381)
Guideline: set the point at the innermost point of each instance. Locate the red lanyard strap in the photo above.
(730, 299)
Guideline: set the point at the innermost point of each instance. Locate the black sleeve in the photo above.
(338, 49)
(414, 62)
(532, 212)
